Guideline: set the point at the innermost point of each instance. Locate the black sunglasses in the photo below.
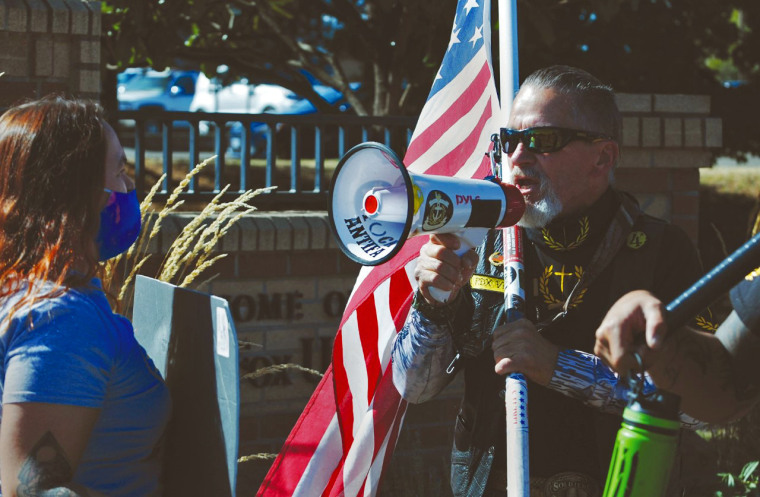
(544, 139)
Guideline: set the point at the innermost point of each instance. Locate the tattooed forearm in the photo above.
(716, 376)
(698, 355)
(46, 472)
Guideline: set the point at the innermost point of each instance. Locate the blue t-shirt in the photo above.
(78, 352)
(745, 297)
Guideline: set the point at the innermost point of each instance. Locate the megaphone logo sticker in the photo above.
(419, 197)
(438, 210)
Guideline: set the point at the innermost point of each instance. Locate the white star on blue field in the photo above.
(466, 39)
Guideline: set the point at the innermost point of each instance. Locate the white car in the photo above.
(294, 106)
(240, 97)
(180, 90)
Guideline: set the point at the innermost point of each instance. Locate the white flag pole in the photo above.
(509, 74)
(516, 390)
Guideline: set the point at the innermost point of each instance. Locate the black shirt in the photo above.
(565, 435)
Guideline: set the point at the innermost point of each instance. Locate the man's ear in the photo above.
(609, 153)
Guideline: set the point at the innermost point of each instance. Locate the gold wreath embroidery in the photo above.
(704, 321)
(706, 324)
(551, 300)
(560, 247)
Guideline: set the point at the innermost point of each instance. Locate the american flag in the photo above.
(345, 437)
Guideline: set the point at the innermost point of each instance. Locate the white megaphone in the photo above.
(376, 204)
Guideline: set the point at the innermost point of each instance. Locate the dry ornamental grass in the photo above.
(192, 252)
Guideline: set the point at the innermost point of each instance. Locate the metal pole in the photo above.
(720, 279)
(516, 390)
(509, 74)
(516, 386)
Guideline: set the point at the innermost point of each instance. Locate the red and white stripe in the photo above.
(346, 435)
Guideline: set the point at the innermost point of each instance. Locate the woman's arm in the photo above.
(41, 446)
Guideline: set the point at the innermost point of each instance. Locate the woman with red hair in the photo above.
(83, 408)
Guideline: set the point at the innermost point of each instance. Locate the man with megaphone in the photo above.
(586, 245)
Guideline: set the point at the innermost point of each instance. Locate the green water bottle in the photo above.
(645, 446)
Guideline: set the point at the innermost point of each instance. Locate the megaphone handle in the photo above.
(468, 239)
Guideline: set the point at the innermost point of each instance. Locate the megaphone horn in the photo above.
(376, 204)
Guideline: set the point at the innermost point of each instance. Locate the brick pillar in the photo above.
(666, 139)
(49, 46)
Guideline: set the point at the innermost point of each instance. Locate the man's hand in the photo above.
(517, 347)
(439, 266)
(637, 315)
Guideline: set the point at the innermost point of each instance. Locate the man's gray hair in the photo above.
(593, 102)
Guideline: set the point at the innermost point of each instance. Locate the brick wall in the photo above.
(666, 139)
(49, 46)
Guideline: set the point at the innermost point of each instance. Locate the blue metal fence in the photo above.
(253, 151)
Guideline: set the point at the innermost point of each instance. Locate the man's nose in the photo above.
(521, 155)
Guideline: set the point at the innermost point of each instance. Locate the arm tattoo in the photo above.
(46, 472)
(710, 360)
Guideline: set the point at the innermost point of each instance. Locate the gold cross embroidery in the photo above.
(552, 301)
(562, 275)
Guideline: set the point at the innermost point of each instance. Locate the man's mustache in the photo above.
(528, 173)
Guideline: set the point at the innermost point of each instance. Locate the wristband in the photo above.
(441, 314)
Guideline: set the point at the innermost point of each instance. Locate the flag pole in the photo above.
(516, 390)
(509, 74)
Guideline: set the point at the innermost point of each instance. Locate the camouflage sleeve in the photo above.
(584, 377)
(422, 353)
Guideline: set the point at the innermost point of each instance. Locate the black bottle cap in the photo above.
(656, 403)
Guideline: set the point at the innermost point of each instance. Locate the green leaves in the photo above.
(748, 471)
(742, 484)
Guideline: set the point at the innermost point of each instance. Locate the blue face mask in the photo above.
(119, 224)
